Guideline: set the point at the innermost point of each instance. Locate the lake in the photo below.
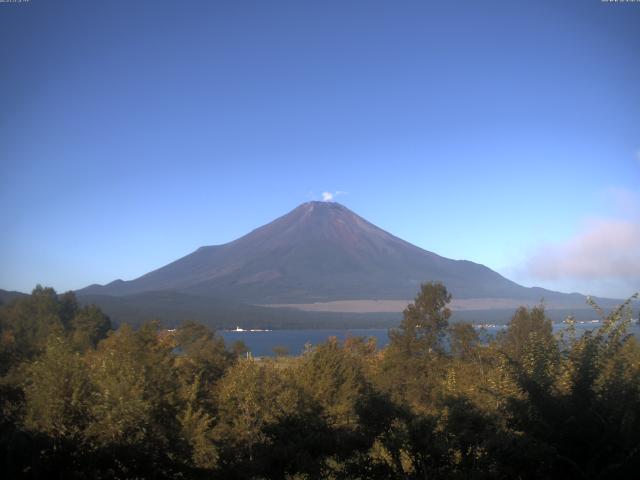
(262, 343)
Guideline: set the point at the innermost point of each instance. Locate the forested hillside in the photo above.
(80, 400)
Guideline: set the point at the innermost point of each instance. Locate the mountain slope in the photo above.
(320, 252)
(7, 296)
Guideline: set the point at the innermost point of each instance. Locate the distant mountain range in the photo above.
(322, 257)
(7, 296)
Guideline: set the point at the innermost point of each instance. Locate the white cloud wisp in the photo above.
(604, 249)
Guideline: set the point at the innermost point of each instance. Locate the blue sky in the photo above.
(507, 133)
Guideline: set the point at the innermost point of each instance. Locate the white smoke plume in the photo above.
(330, 196)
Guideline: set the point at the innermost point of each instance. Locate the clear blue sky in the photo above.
(507, 133)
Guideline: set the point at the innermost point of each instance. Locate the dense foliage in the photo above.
(80, 400)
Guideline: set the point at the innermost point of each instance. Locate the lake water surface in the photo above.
(262, 343)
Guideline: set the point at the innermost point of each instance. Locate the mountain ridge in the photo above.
(320, 252)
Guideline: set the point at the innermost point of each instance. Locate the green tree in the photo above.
(28, 321)
(239, 348)
(414, 366)
(89, 325)
(526, 324)
(280, 351)
(463, 340)
(424, 323)
(203, 351)
(335, 380)
(197, 427)
(67, 308)
(58, 392)
(266, 425)
(136, 403)
(202, 361)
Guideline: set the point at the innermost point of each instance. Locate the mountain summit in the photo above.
(318, 252)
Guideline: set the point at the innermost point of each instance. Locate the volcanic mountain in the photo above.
(321, 252)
